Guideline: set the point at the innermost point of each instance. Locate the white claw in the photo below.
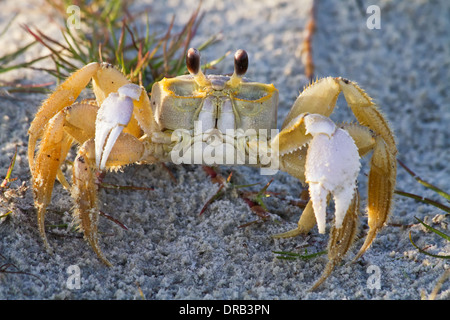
(113, 115)
(130, 90)
(332, 166)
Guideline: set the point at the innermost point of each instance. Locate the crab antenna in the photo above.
(193, 66)
(240, 67)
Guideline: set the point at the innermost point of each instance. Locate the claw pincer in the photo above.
(112, 117)
(332, 167)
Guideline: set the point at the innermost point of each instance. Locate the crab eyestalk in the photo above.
(193, 66)
(240, 62)
(240, 67)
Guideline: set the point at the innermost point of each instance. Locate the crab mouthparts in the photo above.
(215, 115)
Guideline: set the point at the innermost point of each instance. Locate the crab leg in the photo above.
(71, 123)
(127, 149)
(366, 112)
(112, 147)
(84, 193)
(52, 152)
(332, 166)
(381, 190)
(75, 123)
(332, 163)
(65, 95)
(383, 169)
(123, 116)
(341, 239)
(320, 98)
(80, 120)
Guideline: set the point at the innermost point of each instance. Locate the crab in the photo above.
(216, 119)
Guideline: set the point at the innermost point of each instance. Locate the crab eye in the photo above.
(193, 60)
(240, 62)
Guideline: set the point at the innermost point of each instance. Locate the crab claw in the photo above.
(113, 115)
(332, 166)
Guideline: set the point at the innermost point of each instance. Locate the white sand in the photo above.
(169, 251)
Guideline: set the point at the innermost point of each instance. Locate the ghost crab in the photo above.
(123, 126)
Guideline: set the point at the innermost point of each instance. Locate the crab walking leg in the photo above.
(383, 170)
(381, 191)
(367, 113)
(341, 240)
(363, 137)
(306, 222)
(294, 164)
(80, 120)
(79, 124)
(65, 95)
(291, 142)
(84, 193)
(319, 97)
(73, 123)
(127, 149)
(52, 152)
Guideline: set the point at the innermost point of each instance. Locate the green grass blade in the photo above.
(441, 234)
(8, 25)
(10, 57)
(5, 214)
(74, 49)
(425, 183)
(286, 255)
(424, 252)
(109, 33)
(209, 65)
(21, 65)
(424, 200)
(8, 179)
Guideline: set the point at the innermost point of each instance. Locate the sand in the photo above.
(169, 251)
